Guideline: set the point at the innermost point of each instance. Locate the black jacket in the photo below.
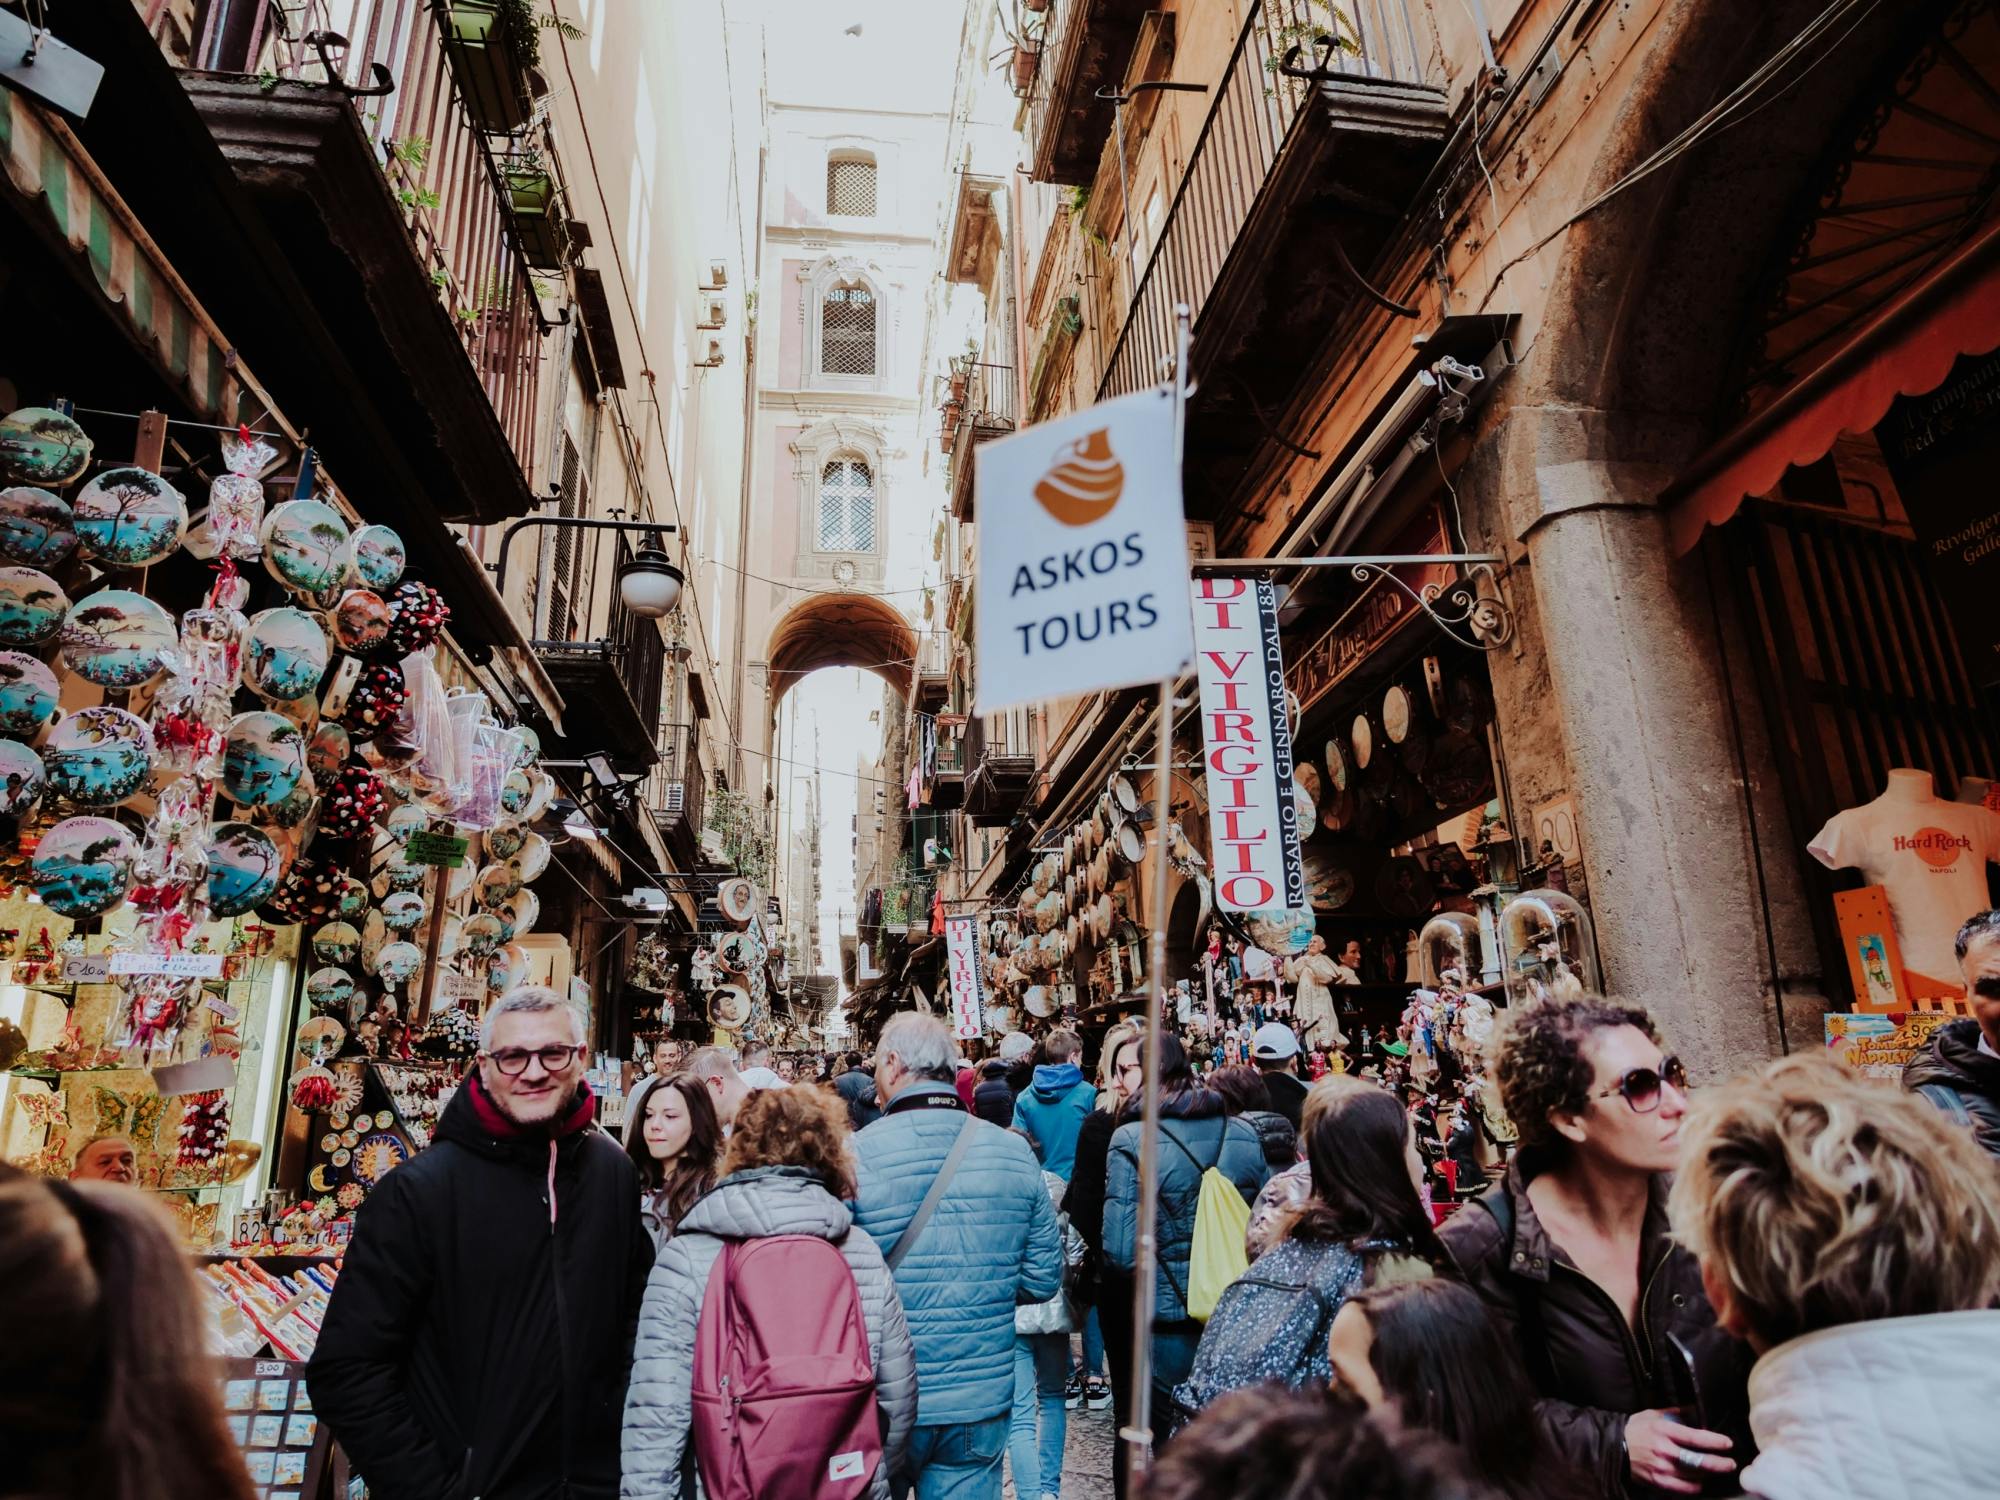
(1950, 1070)
(993, 1095)
(857, 1087)
(1288, 1094)
(1278, 1136)
(479, 1338)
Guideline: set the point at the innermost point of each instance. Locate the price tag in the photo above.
(426, 848)
(222, 1007)
(271, 1369)
(460, 987)
(179, 965)
(87, 968)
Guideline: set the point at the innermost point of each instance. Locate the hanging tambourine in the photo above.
(244, 868)
(482, 934)
(264, 758)
(29, 695)
(404, 912)
(23, 779)
(330, 989)
(505, 840)
(305, 545)
(396, 963)
(330, 748)
(519, 913)
(128, 518)
(360, 621)
(377, 557)
(729, 1007)
(32, 606)
(83, 866)
(533, 857)
(736, 898)
(36, 527)
(40, 445)
(495, 885)
(285, 653)
(337, 943)
(98, 756)
(406, 820)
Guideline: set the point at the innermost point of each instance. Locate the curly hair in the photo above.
(1270, 1443)
(1823, 1198)
(793, 1127)
(1540, 1066)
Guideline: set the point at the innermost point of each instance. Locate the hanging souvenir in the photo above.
(330, 989)
(305, 545)
(374, 938)
(309, 892)
(506, 840)
(377, 557)
(400, 875)
(529, 750)
(518, 913)
(482, 934)
(417, 616)
(451, 1033)
(83, 866)
(449, 937)
(403, 912)
(515, 792)
(540, 795)
(98, 756)
(377, 698)
(360, 621)
(36, 528)
(192, 708)
(533, 858)
(292, 812)
(406, 820)
(398, 961)
(284, 653)
(236, 499)
(32, 606)
(244, 868)
(328, 752)
(507, 969)
(29, 695)
(495, 884)
(264, 758)
(352, 900)
(117, 639)
(23, 779)
(337, 943)
(204, 1129)
(40, 445)
(129, 518)
(350, 803)
(172, 869)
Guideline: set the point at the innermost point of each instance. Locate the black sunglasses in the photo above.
(1641, 1086)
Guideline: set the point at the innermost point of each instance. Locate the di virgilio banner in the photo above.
(1253, 819)
(961, 957)
(1083, 559)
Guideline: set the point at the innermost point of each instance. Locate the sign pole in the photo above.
(1138, 1435)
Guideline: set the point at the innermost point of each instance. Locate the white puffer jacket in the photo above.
(1899, 1409)
(751, 1205)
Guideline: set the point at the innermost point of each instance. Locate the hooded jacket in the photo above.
(993, 1097)
(856, 1088)
(752, 1205)
(1194, 1135)
(1052, 1111)
(477, 1341)
(1897, 1409)
(1950, 1070)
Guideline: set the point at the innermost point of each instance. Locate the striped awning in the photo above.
(47, 166)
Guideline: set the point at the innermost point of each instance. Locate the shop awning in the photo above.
(1905, 350)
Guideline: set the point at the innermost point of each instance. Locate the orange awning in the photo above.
(1905, 350)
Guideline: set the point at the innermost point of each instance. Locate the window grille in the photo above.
(850, 186)
(563, 585)
(847, 331)
(846, 507)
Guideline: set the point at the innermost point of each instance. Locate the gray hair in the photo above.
(711, 1062)
(527, 1000)
(923, 1043)
(1016, 1045)
(1985, 924)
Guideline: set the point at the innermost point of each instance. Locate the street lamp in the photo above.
(649, 585)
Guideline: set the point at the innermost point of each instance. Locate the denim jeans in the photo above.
(1093, 1345)
(1041, 1366)
(957, 1461)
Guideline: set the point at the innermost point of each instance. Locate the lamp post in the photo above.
(649, 585)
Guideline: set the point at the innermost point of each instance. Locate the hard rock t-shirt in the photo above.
(1930, 857)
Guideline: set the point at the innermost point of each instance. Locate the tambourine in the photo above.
(1131, 843)
(1124, 795)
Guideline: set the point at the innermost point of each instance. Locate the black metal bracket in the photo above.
(385, 81)
(581, 523)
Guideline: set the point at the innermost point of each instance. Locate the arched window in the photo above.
(850, 185)
(846, 507)
(847, 330)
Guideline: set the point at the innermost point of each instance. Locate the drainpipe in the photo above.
(749, 474)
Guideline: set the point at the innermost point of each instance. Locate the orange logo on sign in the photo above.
(1085, 483)
(1935, 847)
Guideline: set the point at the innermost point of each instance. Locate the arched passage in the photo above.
(842, 630)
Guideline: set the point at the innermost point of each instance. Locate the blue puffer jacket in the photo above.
(991, 1244)
(1195, 1119)
(1053, 1111)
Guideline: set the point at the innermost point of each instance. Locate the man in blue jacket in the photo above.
(1053, 1108)
(990, 1243)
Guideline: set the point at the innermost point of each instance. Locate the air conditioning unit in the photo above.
(714, 312)
(718, 276)
(676, 797)
(713, 359)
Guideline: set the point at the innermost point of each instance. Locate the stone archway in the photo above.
(842, 630)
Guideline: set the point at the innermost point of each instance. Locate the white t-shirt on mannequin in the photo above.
(1930, 856)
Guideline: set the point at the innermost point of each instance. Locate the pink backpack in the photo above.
(783, 1389)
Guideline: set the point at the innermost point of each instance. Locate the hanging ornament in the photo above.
(352, 900)
(482, 934)
(404, 911)
(350, 803)
(330, 749)
(29, 695)
(308, 893)
(377, 557)
(507, 969)
(417, 616)
(360, 621)
(294, 812)
(129, 518)
(529, 748)
(376, 700)
(23, 779)
(32, 606)
(312, 1089)
(337, 943)
(330, 989)
(192, 709)
(264, 758)
(98, 756)
(156, 1006)
(451, 1033)
(397, 962)
(532, 859)
(204, 1128)
(506, 840)
(495, 884)
(244, 868)
(40, 445)
(284, 653)
(172, 868)
(519, 913)
(36, 528)
(236, 499)
(117, 639)
(305, 545)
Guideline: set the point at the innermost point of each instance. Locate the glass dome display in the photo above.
(1548, 947)
(1450, 945)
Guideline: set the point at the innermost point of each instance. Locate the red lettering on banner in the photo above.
(1220, 725)
(1220, 658)
(1236, 587)
(1249, 767)
(1264, 892)
(1233, 834)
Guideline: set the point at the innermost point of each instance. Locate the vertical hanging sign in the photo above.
(961, 957)
(1253, 818)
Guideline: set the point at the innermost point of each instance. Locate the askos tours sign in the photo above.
(1253, 819)
(1083, 558)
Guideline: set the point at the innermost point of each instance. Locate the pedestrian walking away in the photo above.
(1051, 1111)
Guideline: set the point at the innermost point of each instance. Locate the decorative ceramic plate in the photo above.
(377, 556)
(378, 1156)
(337, 943)
(400, 875)
(264, 758)
(40, 445)
(398, 961)
(350, 1137)
(244, 868)
(118, 639)
(406, 820)
(503, 842)
(284, 653)
(32, 607)
(482, 934)
(342, 1157)
(403, 911)
(36, 528)
(98, 756)
(294, 810)
(360, 620)
(29, 695)
(330, 988)
(129, 518)
(83, 866)
(23, 779)
(507, 968)
(530, 746)
(514, 792)
(495, 885)
(518, 913)
(533, 858)
(329, 751)
(305, 545)
(353, 898)
(330, 1142)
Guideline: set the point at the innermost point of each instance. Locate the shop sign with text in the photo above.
(1379, 613)
(1253, 819)
(961, 957)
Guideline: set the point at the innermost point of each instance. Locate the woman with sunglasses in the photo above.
(1572, 1254)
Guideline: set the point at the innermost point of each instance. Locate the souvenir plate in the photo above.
(533, 858)
(353, 899)
(507, 968)
(36, 528)
(330, 1142)
(350, 1137)
(360, 620)
(284, 653)
(398, 961)
(98, 756)
(482, 934)
(337, 943)
(23, 779)
(129, 518)
(32, 606)
(503, 842)
(514, 792)
(292, 811)
(342, 1157)
(83, 866)
(378, 1156)
(329, 751)
(330, 988)
(403, 911)
(495, 885)
(406, 820)
(378, 557)
(518, 913)
(244, 867)
(29, 695)
(40, 445)
(117, 639)
(305, 546)
(264, 758)
(529, 746)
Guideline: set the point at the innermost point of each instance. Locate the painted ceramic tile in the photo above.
(244, 868)
(29, 694)
(305, 545)
(129, 518)
(378, 557)
(36, 528)
(22, 779)
(284, 653)
(32, 606)
(83, 866)
(117, 639)
(98, 756)
(39, 445)
(264, 759)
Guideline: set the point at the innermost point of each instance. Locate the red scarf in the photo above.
(581, 1113)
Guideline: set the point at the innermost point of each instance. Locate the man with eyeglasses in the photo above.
(480, 1335)
(1958, 1069)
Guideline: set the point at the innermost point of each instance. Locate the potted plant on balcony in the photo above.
(494, 47)
(1027, 51)
(536, 210)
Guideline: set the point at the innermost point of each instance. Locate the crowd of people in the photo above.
(900, 1277)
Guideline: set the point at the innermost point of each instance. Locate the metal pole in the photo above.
(1139, 1435)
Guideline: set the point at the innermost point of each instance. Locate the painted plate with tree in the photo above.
(337, 943)
(40, 445)
(244, 868)
(117, 639)
(398, 961)
(330, 988)
(305, 545)
(83, 866)
(263, 760)
(36, 528)
(284, 653)
(32, 606)
(360, 620)
(129, 518)
(29, 695)
(378, 556)
(98, 756)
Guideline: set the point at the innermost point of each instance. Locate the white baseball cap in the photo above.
(762, 1078)
(1274, 1042)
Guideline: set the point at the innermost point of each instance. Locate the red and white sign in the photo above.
(961, 961)
(1253, 819)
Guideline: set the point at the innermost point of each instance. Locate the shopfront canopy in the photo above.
(1907, 349)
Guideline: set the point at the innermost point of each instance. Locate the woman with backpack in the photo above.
(1364, 1225)
(798, 1284)
(673, 1137)
(1105, 1296)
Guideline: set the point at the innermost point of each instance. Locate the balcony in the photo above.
(676, 789)
(410, 235)
(1085, 46)
(612, 677)
(933, 682)
(1000, 763)
(1304, 167)
(944, 788)
(988, 410)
